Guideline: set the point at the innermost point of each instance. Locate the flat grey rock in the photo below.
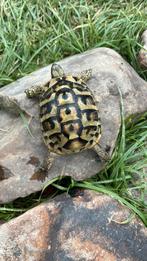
(21, 154)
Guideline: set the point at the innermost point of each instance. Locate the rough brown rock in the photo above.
(86, 227)
(22, 154)
(142, 56)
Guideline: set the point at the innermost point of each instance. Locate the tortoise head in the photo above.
(56, 71)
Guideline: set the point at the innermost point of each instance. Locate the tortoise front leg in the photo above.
(35, 91)
(85, 75)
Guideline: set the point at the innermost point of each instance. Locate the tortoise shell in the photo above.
(69, 116)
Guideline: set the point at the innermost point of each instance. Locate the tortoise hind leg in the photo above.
(47, 163)
(103, 155)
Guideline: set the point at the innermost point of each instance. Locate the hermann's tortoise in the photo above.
(68, 113)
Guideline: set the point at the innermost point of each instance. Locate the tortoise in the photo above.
(69, 116)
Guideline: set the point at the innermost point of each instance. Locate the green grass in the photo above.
(36, 33)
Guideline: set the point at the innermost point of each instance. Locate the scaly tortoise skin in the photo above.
(68, 112)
